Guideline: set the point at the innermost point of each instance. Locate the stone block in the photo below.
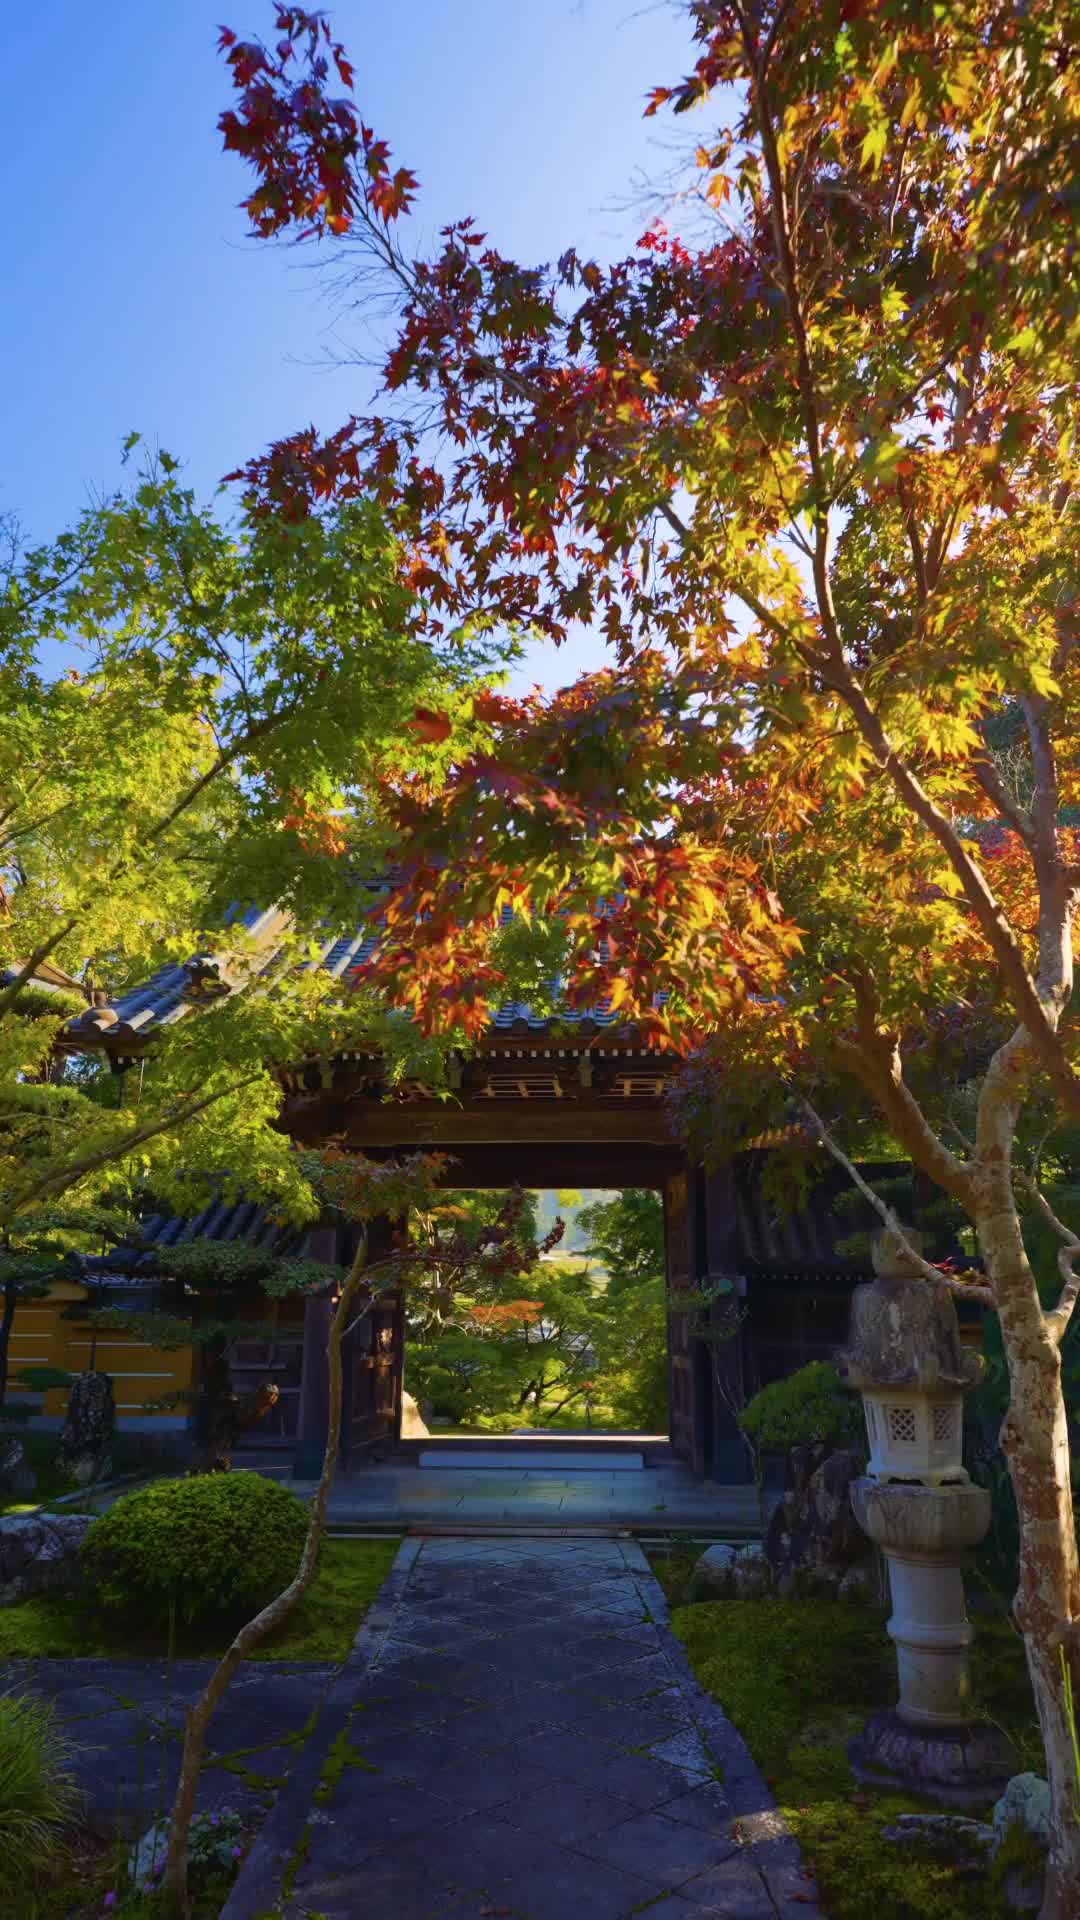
(16, 1476)
(1024, 1803)
(713, 1577)
(39, 1553)
(86, 1442)
(813, 1538)
(751, 1574)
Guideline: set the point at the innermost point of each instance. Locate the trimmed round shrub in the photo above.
(810, 1407)
(194, 1550)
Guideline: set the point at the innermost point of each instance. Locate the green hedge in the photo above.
(197, 1549)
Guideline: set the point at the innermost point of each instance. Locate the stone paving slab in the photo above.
(518, 1732)
(125, 1721)
(523, 1459)
(656, 1498)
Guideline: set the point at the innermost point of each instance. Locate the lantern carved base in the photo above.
(962, 1766)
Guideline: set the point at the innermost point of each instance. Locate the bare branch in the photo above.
(960, 1135)
(890, 1220)
(875, 1060)
(1058, 1318)
(30, 965)
(809, 399)
(990, 914)
(994, 787)
(894, 197)
(918, 558)
(1045, 800)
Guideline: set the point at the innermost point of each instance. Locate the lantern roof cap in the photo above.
(903, 1333)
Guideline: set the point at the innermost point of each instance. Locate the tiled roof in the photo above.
(227, 1220)
(175, 989)
(768, 1241)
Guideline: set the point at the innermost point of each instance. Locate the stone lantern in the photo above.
(919, 1505)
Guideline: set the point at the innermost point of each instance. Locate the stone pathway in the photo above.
(125, 1722)
(517, 1733)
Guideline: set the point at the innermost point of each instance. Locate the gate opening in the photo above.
(575, 1343)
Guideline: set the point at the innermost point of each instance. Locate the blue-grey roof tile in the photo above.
(165, 997)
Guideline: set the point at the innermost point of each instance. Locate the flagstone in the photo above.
(576, 1775)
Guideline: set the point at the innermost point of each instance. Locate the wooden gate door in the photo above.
(373, 1376)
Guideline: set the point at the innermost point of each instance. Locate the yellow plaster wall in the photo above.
(41, 1337)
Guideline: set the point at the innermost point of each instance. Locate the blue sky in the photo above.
(134, 298)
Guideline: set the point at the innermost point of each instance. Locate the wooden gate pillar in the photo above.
(314, 1414)
(730, 1462)
(681, 1391)
(372, 1360)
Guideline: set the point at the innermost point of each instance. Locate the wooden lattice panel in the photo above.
(635, 1086)
(523, 1086)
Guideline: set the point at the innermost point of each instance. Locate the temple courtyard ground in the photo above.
(516, 1732)
(538, 1487)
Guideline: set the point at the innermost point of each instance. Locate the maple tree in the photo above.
(809, 463)
(194, 712)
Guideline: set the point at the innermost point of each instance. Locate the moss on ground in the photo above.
(322, 1628)
(39, 1450)
(799, 1677)
(340, 1757)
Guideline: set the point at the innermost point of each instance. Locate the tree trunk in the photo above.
(1035, 1439)
(176, 1901)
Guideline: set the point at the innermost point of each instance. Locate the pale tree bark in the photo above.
(176, 1901)
(1035, 1439)
(1035, 1435)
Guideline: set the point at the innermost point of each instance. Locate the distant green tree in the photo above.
(626, 1235)
(579, 1342)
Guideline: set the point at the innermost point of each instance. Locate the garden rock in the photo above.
(15, 1476)
(1024, 1803)
(751, 1574)
(730, 1573)
(950, 1836)
(39, 1553)
(713, 1577)
(1023, 1891)
(85, 1451)
(860, 1583)
(813, 1534)
(147, 1856)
